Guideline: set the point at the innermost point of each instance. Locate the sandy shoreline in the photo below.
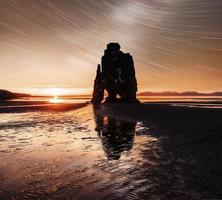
(39, 106)
(171, 152)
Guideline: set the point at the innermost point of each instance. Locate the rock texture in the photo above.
(116, 76)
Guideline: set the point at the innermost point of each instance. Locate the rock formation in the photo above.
(7, 95)
(117, 77)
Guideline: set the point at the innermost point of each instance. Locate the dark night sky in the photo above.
(176, 44)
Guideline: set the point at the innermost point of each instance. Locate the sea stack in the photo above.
(116, 75)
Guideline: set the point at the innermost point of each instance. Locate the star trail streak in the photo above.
(176, 45)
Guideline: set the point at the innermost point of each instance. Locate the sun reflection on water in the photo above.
(56, 100)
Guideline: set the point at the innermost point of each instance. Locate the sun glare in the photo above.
(55, 100)
(56, 91)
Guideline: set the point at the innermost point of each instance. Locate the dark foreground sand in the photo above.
(24, 106)
(192, 136)
(119, 151)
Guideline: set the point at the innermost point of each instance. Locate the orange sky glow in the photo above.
(53, 47)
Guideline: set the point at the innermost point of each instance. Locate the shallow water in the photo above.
(81, 154)
(58, 154)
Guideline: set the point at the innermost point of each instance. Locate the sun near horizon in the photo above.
(56, 92)
(52, 91)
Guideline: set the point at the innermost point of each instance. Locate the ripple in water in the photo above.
(83, 154)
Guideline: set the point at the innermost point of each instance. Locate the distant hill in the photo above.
(170, 93)
(7, 95)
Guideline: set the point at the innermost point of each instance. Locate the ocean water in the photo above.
(82, 154)
(185, 101)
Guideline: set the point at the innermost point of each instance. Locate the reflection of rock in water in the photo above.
(116, 135)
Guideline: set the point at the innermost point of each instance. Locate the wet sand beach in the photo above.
(38, 106)
(130, 151)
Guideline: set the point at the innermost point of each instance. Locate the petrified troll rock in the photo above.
(117, 77)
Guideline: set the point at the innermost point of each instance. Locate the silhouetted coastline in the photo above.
(185, 93)
(7, 95)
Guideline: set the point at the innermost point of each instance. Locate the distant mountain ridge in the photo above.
(172, 93)
(7, 95)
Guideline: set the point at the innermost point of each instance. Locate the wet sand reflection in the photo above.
(91, 154)
(117, 135)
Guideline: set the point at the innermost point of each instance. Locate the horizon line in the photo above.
(65, 91)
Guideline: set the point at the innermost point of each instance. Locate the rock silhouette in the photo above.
(116, 76)
(7, 95)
